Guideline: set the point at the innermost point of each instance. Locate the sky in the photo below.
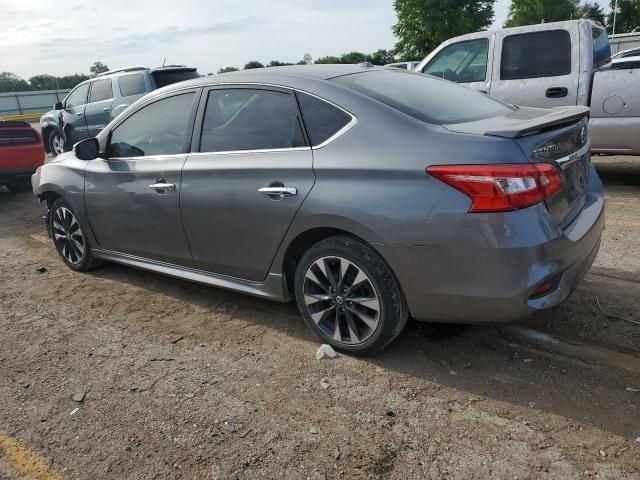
(36, 37)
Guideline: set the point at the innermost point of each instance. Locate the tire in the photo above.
(69, 239)
(23, 185)
(342, 281)
(56, 142)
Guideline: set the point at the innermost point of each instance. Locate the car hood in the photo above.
(521, 122)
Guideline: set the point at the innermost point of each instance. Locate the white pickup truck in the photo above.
(550, 65)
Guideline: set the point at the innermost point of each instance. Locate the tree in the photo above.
(591, 10)
(327, 60)
(528, 12)
(628, 16)
(277, 63)
(381, 57)
(227, 69)
(353, 57)
(98, 67)
(44, 82)
(424, 24)
(10, 82)
(253, 64)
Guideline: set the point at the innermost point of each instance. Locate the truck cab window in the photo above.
(535, 55)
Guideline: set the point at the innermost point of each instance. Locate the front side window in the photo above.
(322, 119)
(248, 119)
(535, 55)
(77, 97)
(157, 129)
(100, 90)
(132, 84)
(424, 97)
(601, 47)
(461, 62)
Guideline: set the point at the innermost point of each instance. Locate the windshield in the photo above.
(424, 97)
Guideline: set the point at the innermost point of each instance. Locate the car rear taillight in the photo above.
(501, 187)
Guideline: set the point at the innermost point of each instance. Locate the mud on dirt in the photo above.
(186, 381)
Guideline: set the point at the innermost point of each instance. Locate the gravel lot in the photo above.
(185, 381)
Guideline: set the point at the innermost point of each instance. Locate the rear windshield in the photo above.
(164, 78)
(424, 97)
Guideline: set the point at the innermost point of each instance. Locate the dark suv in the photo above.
(94, 103)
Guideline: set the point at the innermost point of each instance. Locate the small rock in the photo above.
(74, 411)
(532, 404)
(134, 389)
(324, 383)
(527, 360)
(336, 453)
(391, 413)
(325, 351)
(313, 430)
(41, 269)
(452, 372)
(79, 397)
(176, 340)
(638, 440)
(603, 453)
(190, 395)
(631, 389)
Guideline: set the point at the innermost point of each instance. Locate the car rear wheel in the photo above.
(348, 296)
(69, 238)
(56, 142)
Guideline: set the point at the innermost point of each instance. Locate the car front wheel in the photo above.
(56, 142)
(348, 296)
(69, 238)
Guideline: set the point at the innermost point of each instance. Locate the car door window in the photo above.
(535, 55)
(77, 97)
(250, 119)
(461, 62)
(156, 129)
(322, 119)
(100, 90)
(132, 84)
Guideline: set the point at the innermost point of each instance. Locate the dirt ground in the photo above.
(186, 381)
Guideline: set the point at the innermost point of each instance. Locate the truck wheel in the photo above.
(56, 142)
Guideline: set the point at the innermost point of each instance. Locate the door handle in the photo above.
(106, 109)
(278, 191)
(163, 186)
(556, 92)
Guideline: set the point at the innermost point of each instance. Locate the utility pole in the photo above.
(615, 13)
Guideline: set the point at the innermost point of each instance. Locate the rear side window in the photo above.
(132, 84)
(168, 77)
(247, 119)
(424, 97)
(100, 90)
(537, 54)
(322, 119)
(11, 137)
(461, 62)
(157, 129)
(601, 47)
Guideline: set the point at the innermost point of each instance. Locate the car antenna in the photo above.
(164, 61)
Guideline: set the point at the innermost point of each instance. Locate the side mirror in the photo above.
(87, 149)
(57, 106)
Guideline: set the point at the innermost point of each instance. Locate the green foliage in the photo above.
(530, 12)
(98, 67)
(424, 24)
(592, 11)
(327, 60)
(277, 63)
(227, 69)
(10, 82)
(353, 57)
(628, 16)
(381, 57)
(44, 82)
(253, 64)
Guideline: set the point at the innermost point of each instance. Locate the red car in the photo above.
(21, 153)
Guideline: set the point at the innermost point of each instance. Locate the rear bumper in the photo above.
(489, 271)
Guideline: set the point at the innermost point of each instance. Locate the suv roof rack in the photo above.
(123, 69)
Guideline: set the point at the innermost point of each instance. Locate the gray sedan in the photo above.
(367, 194)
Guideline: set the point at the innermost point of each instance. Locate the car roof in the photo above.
(635, 58)
(293, 76)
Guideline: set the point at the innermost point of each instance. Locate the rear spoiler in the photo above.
(522, 122)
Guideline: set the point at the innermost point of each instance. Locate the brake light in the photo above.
(501, 187)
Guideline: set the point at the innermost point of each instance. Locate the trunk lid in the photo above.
(558, 136)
